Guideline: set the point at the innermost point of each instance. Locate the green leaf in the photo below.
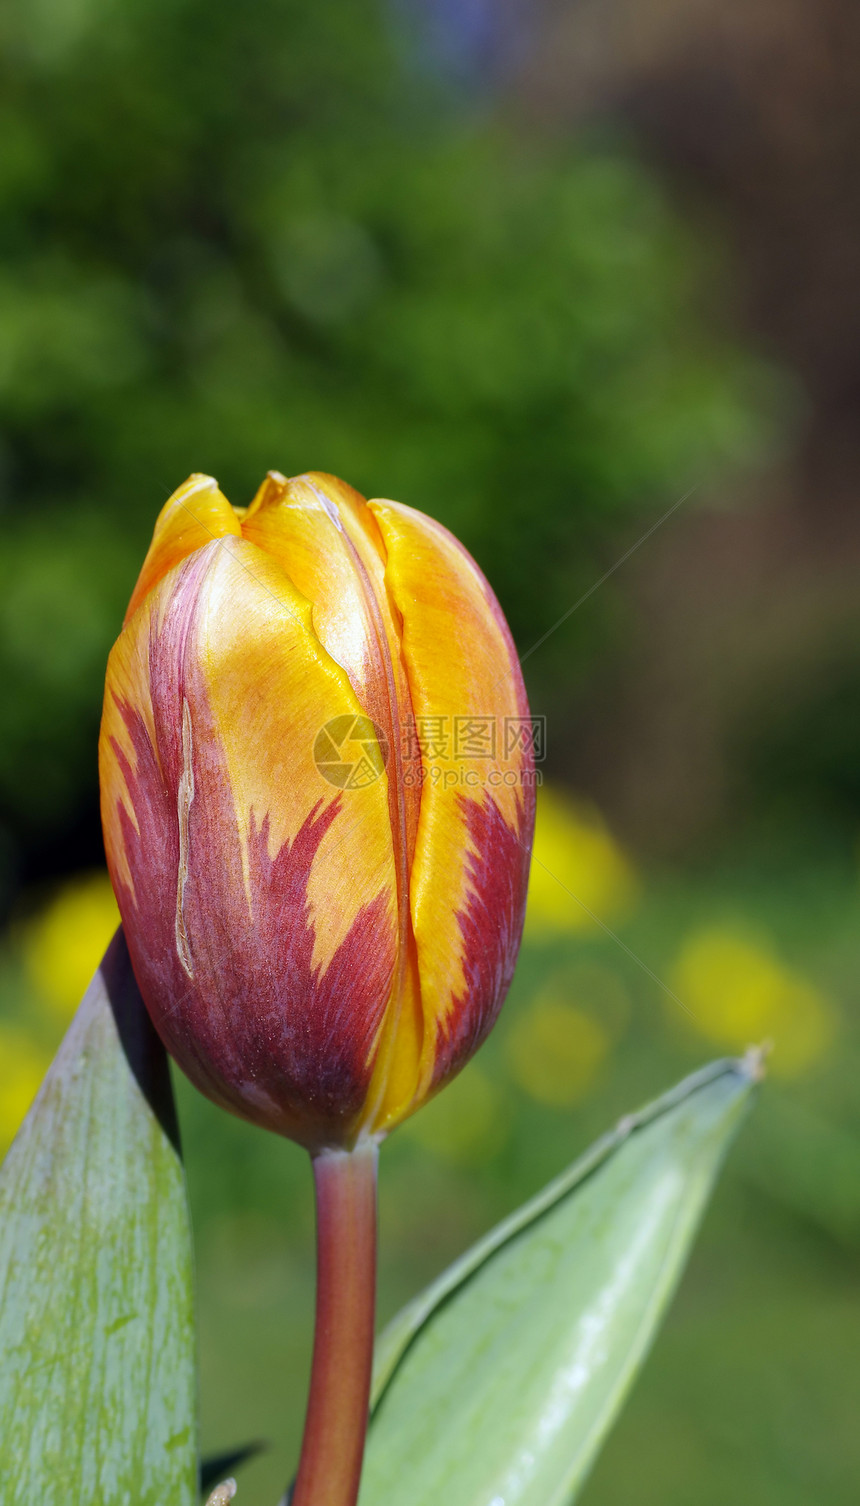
(97, 1384)
(497, 1385)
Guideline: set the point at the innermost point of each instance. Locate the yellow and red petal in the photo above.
(317, 958)
(470, 870)
(196, 513)
(325, 537)
(266, 966)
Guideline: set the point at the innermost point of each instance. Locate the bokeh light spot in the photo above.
(577, 867)
(64, 944)
(22, 1067)
(740, 992)
(466, 1124)
(556, 1050)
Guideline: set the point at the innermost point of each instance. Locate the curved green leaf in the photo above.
(97, 1386)
(497, 1385)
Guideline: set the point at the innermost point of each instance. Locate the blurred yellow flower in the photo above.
(466, 1124)
(577, 867)
(22, 1067)
(740, 993)
(555, 1050)
(64, 944)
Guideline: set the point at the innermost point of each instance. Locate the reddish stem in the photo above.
(336, 1420)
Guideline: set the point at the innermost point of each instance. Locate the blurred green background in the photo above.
(544, 270)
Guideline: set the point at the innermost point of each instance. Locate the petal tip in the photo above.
(269, 493)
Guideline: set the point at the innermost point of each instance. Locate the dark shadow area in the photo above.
(146, 1056)
(218, 1466)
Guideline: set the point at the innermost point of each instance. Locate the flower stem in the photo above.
(336, 1421)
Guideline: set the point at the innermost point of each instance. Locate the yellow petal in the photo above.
(195, 514)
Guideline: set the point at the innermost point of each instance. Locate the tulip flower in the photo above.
(318, 804)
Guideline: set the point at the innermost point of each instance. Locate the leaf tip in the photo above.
(222, 1494)
(753, 1063)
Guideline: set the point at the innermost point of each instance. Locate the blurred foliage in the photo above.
(753, 1389)
(238, 237)
(800, 754)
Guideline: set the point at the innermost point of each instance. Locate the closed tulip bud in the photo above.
(317, 798)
